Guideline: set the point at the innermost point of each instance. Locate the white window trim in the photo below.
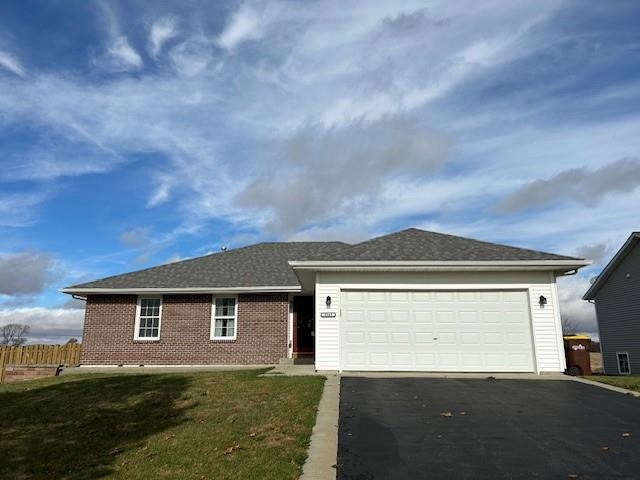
(213, 319)
(628, 361)
(136, 332)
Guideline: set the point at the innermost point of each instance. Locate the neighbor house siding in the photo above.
(108, 337)
(618, 311)
(545, 321)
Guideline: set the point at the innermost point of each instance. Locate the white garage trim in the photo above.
(545, 320)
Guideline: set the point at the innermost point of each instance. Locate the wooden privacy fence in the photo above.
(68, 354)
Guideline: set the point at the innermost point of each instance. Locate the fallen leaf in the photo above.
(231, 449)
(606, 449)
(462, 413)
(169, 437)
(253, 434)
(626, 434)
(446, 414)
(573, 475)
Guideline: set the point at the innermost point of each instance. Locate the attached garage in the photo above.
(438, 331)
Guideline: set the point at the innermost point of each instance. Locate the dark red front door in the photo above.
(303, 327)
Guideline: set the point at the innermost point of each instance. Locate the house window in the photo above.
(224, 320)
(624, 364)
(148, 316)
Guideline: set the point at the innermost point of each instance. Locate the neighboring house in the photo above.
(408, 301)
(616, 295)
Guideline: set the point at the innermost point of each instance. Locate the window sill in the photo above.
(223, 339)
(146, 340)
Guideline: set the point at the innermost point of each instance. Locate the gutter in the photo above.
(505, 265)
(211, 290)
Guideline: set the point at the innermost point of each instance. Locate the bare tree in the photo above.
(569, 325)
(13, 334)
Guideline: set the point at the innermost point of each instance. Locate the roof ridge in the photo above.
(460, 237)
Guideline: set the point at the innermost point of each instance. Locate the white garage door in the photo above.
(443, 331)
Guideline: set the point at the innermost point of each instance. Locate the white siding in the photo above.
(547, 335)
(327, 331)
(547, 330)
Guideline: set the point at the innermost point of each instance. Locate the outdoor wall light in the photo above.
(542, 301)
(328, 301)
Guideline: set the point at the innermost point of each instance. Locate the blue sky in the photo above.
(138, 133)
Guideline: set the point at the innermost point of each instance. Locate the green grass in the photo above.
(628, 382)
(213, 425)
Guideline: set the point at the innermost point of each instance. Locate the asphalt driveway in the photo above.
(426, 428)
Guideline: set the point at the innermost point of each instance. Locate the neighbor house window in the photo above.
(224, 321)
(624, 365)
(148, 316)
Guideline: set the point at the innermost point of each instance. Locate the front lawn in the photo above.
(209, 425)
(628, 382)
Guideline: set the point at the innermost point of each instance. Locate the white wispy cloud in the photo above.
(11, 63)
(123, 54)
(162, 30)
(244, 25)
(119, 55)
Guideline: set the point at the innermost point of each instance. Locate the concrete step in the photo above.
(296, 361)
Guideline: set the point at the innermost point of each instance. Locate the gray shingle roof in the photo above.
(419, 245)
(266, 264)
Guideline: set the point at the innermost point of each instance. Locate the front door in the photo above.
(303, 327)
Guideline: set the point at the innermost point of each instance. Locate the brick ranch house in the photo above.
(409, 301)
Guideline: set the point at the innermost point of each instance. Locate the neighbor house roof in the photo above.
(270, 266)
(601, 279)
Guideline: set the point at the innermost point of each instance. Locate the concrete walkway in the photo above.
(323, 450)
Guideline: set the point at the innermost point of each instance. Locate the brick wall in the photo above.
(20, 373)
(184, 332)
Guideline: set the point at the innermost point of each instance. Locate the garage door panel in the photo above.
(354, 316)
(469, 317)
(401, 360)
(444, 296)
(446, 317)
(480, 331)
(421, 297)
(378, 337)
(425, 361)
(379, 297)
(402, 297)
(400, 316)
(423, 337)
(400, 338)
(420, 316)
(471, 360)
(379, 359)
(471, 338)
(354, 338)
(466, 296)
(376, 316)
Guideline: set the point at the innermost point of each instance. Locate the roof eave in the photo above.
(504, 265)
(186, 290)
